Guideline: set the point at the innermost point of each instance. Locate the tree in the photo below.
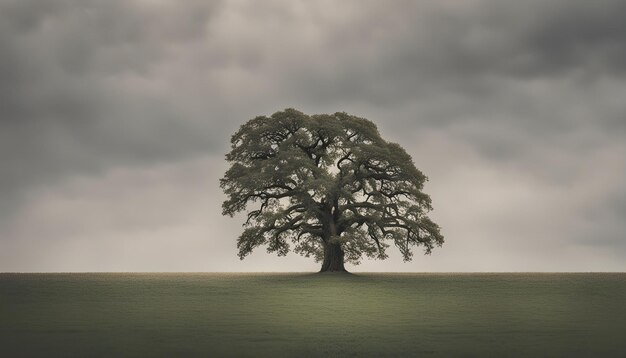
(327, 184)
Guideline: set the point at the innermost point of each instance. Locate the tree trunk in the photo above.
(333, 258)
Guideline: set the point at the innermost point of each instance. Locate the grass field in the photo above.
(273, 315)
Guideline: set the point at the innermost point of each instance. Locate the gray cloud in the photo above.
(79, 92)
(516, 107)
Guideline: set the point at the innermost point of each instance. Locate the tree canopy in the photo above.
(328, 187)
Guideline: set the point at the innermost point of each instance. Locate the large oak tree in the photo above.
(327, 186)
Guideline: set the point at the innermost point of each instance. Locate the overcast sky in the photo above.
(115, 117)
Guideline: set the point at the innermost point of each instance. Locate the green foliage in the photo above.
(321, 179)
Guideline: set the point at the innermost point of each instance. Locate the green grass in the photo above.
(432, 315)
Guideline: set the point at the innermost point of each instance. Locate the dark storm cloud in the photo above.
(581, 33)
(502, 74)
(532, 94)
(472, 41)
(76, 93)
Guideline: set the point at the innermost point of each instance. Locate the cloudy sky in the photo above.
(115, 117)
